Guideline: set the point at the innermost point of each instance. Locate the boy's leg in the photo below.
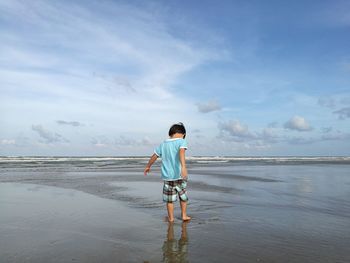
(184, 215)
(181, 189)
(170, 208)
(169, 196)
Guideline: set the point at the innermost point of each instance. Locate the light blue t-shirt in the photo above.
(169, 152)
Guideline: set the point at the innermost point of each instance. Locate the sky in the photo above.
(109, 78)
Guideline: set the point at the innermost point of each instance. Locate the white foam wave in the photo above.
(198, 159)
(68, 159)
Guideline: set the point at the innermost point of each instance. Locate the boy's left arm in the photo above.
(183, 163)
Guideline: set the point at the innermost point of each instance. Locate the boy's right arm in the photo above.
(153, 158)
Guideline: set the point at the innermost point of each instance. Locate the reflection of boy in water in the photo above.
(173, 250)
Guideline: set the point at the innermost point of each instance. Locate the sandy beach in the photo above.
(107, 211)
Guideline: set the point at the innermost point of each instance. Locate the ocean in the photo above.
(96, 162)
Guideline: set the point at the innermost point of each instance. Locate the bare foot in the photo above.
(186, 218)
(167, 219)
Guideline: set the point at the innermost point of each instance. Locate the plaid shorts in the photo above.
(172, 189)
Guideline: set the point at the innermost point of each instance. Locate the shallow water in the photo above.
(241, 213)
(48, 224)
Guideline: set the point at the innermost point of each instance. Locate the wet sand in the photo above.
(261, 213)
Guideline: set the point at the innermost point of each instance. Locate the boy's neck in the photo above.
(177, 135)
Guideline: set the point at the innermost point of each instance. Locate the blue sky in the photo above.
(255, 78)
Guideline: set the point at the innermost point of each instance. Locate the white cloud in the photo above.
(297, 123)
(70, 123)
(8, 142)
(205, 107)
(49, 137)
(345, 100)
(343, 113)
(301, 140)
(269, 135)
(125, 141)
(326, 129)
(235, 130)
(74, 62)
(100, 141)
(95, 61)
(336, 136)
(120, 141)
(146, 141)
(240, 133)
(123, 46)
(328, 102)
(273, 124)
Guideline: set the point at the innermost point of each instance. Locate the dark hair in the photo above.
(177, 128)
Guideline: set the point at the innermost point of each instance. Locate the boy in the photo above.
(174, 172)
